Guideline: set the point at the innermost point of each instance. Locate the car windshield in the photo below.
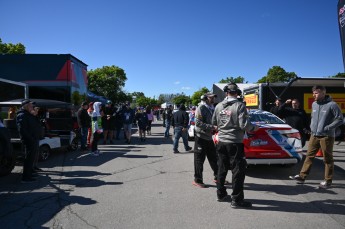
(265, 118)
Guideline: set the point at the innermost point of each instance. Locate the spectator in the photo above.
(108, 123)
(150, 118)
(128, 119)
(40, 135)
(275, 109)
(168, 118)
(96, 128)
(295, 117)
(232, 121)
(84, 122)
(326, 116)
(89, 133)
(27, 127)
(142, 119)
(204, 146)
(179, 122)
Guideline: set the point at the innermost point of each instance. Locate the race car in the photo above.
(274, 143)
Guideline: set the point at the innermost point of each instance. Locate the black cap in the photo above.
(26, 101)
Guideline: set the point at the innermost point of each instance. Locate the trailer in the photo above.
(262, 95)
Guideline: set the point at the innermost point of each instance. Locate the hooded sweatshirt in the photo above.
(231, 118)
(326, 116)
(96, 118)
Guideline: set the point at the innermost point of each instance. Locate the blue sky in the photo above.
(180, 46)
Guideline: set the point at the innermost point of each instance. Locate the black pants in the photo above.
(31, 151)
(204, 148)
(94, 144)
(231, 156)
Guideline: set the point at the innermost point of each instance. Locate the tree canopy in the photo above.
(107, 81)
(182, 99)
(277, 74)
(197, 95)
(238, 79)
(10, 48)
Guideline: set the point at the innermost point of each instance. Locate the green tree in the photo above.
(10, 48)
(197, 95)
(338, 75)
(277, 74)
(182, 99)
(107, 81)
(238, 79)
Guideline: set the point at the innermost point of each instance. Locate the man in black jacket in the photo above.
(179, 122)
(84, 122)
(27, 127)
(295, 117)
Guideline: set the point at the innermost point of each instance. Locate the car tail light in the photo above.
(294, 135)
(192, 123)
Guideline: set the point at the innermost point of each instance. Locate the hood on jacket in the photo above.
(327, 99)
(228, 101)
(96, 109)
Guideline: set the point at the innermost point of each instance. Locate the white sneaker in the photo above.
(99, 152)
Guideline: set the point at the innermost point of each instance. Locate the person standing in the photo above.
(108, 124)
(128, 119)
(326, 116)
(168, 118)
(295, 117)
(27, 129)
(204, 145)
(275, 109)
(142, 119)
(84, 122)
(96, 128)
(231, 119)
(150, 118)
(179, 122)
(89, 133)
(40, 135)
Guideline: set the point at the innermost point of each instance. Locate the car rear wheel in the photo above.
(44, 152)
(74, 144)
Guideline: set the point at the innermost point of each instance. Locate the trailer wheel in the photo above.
(44, 152)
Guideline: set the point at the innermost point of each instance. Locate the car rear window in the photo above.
(264, 118)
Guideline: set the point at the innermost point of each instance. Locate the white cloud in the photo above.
(186, 88)
(177, 82)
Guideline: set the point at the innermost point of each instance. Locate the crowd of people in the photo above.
(228, 120)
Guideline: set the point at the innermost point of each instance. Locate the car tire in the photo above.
(74, 144)
(44, 152)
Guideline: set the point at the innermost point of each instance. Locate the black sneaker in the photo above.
(189, 148)
(298, 179)
(28, 180)
(176, 151)
(221, 198)
(241, 204)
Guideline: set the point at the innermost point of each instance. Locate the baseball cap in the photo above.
(26, 101)
(209, 94)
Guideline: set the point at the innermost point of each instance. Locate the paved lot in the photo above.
(145, 185)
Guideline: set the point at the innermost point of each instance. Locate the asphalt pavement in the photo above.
(146, 185)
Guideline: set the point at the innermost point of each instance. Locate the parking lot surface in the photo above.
(145, 185)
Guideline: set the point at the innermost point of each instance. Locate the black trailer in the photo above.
(263, 95)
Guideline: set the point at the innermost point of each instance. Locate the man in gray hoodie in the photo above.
(231, 118)
(326, 116)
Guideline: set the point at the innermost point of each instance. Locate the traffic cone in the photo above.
(319, 153)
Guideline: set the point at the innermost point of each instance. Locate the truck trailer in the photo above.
(262, 95)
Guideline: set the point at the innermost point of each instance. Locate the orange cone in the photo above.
(319, 153)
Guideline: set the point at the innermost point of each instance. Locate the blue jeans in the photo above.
(167, 126)
(83, 136)
(179, 133)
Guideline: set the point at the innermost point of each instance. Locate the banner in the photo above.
(339, 98)
(341, 23)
